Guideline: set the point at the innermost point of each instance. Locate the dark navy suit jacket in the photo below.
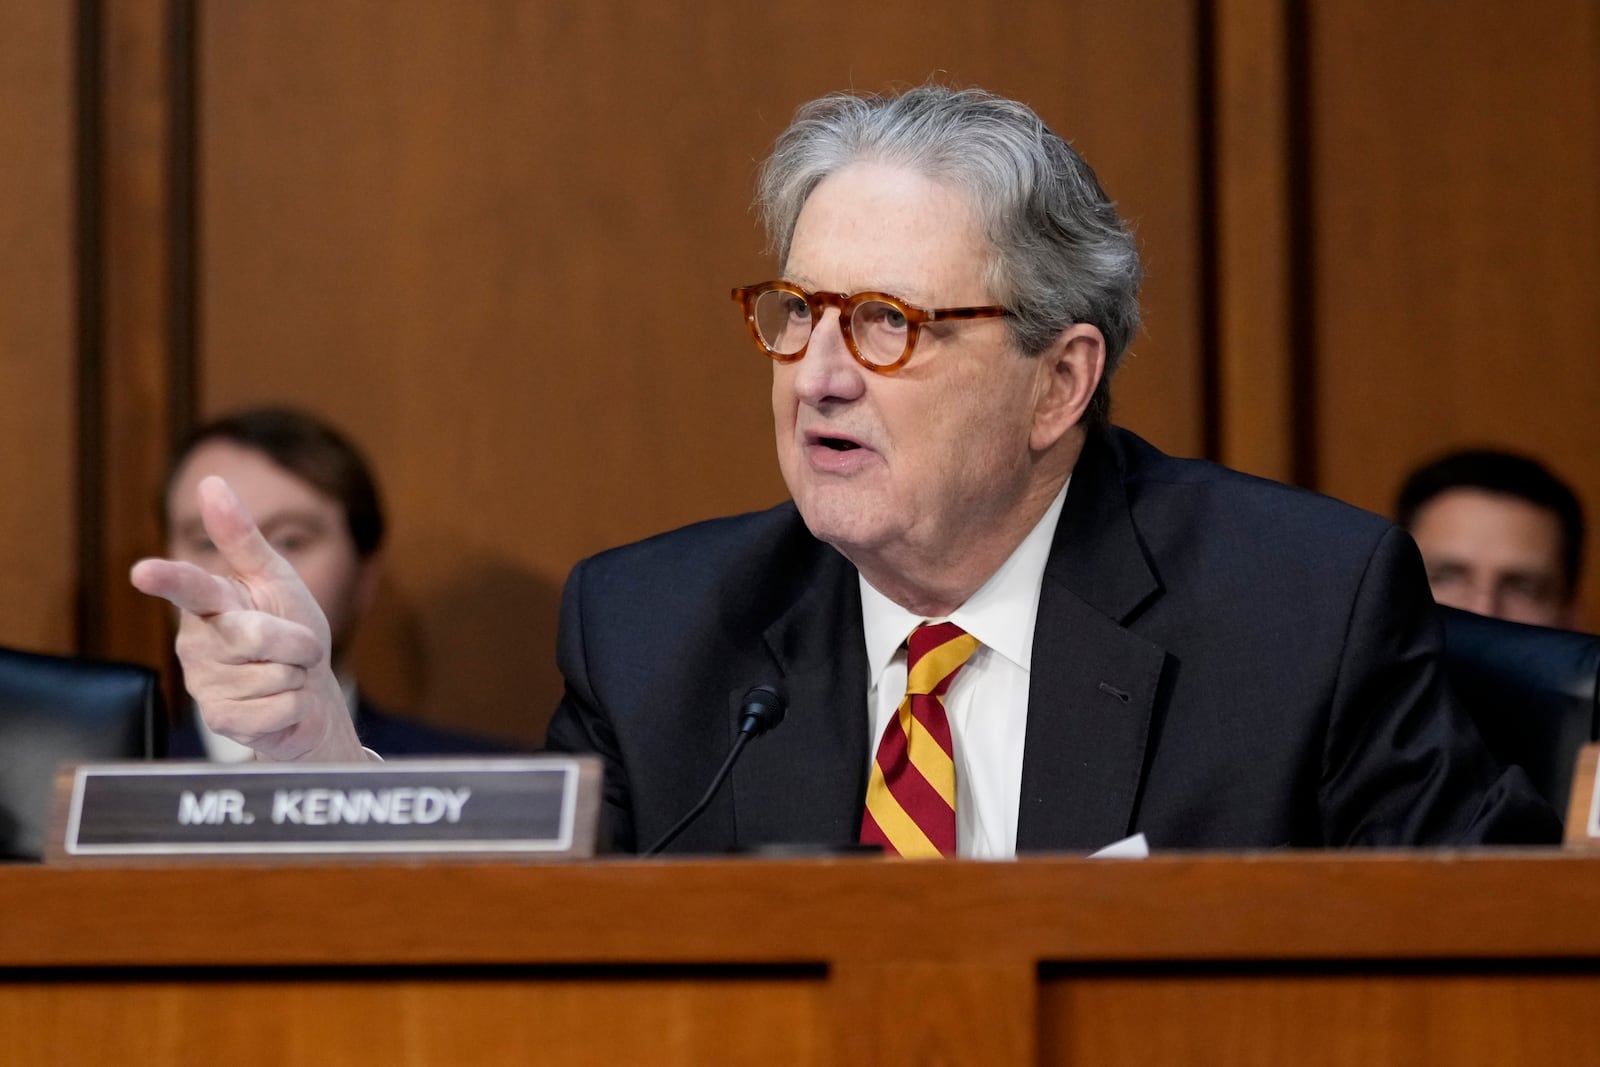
(385, 733)
(1219, 661)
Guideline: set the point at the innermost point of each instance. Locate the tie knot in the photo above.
(935, 654)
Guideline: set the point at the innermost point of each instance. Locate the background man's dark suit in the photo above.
(384, 732)
(1219, 661)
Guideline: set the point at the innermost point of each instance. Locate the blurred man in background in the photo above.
(316, 501)
(1500, 534)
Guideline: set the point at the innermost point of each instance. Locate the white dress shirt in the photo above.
(988, 702)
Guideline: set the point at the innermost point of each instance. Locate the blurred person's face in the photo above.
(307, 527)
(903, 472)
(1494, 554)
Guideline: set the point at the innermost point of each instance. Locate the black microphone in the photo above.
(763, 709)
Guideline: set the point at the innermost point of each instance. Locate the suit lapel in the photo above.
(805, 783)
(1093, 686)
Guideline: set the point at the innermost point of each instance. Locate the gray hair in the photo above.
(1062, 255)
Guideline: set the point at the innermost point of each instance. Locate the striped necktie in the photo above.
(911, 799)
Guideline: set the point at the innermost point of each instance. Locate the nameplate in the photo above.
(1583, 810)
(529, 805)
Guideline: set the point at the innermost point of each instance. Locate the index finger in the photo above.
(186, 586)
(234, 533)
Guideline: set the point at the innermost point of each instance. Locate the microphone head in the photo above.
(762, 709)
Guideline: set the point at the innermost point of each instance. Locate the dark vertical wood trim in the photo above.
(1206, 96)
(182, 208)
(183, 299)
(143, 301)
(1302, 248)
(90, 524)
(1253, 261)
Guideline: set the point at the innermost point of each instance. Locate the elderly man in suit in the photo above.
(1002, 623)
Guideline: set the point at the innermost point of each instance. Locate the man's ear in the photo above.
(367, 584)
(1070, 370)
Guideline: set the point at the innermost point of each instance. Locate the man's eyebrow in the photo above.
(291, 518)
(897, 290)
(1534, 576)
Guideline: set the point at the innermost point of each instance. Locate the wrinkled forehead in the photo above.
(890, 228)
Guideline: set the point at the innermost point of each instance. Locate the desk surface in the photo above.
(1272, 906)
(1316, 959)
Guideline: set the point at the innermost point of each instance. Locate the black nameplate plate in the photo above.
(532, 804)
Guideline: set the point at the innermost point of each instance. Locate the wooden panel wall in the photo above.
(38, 426)
(495, 241)
(1455, 163)
(140, 303)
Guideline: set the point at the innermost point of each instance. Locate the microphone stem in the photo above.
(694, 813)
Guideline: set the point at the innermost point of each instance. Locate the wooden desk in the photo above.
(1348, 958)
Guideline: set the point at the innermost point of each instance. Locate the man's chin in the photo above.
(849, 529)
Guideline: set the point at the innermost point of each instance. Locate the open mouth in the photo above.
(837, 444)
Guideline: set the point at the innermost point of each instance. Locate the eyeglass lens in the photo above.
(880, 329)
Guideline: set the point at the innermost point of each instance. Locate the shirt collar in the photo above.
(1000, 614)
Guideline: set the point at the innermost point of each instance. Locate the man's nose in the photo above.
(828, 370)
(1483, 600)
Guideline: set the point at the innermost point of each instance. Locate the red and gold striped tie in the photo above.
(911, 799)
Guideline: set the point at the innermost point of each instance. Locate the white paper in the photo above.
(1129, 848)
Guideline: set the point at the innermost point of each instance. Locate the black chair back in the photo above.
(1534, 693)
(55, 710)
